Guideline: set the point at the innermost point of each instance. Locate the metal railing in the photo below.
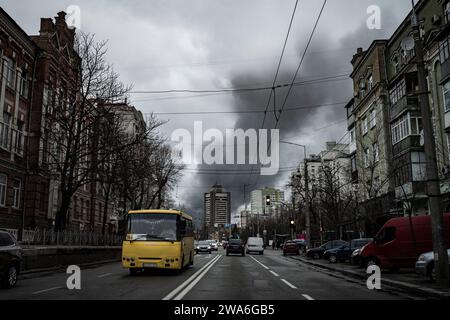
(69, 238)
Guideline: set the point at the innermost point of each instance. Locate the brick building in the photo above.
(17, 64)
(39, 73)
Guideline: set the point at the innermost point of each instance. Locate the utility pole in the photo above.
(307, 207)
(433, 186)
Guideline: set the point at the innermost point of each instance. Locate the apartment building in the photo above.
(39, 73)
(17, 65)
(392, 87)
(259, 205)
(217, 207)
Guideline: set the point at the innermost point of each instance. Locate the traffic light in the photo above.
(267, 201)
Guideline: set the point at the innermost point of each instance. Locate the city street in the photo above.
(252, 277)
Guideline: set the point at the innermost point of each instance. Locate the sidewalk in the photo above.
(405, 280)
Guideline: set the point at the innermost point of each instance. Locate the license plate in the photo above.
(150, 265)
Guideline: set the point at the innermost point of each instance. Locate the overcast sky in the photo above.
(215, 44)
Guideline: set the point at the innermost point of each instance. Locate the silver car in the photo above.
(425, 265)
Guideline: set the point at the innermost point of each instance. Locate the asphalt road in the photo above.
(213, 277)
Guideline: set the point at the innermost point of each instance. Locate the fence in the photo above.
(69, 238)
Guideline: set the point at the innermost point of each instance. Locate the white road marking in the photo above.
(307, 297)
(47, 290)
(174, 292)
(274, 273)
(289, 284)
(265, 267)
(196, 280)
(104, 275)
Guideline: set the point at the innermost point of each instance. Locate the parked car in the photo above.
(343, 253)
(235, 246)
(317, 253)
(203, 246)
(10, 259)
(401, 241)
(290, 247)
(425, 265)
(214, 245)
(255, 245)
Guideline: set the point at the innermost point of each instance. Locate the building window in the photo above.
(9, 73)
(419, 166)
(447, 12)
(400, 129)
(395, 64)
(362, 88)
(354, 165)
(444, 50)
(3, 183)
(364, 126)
(447, 96)
(370, 83)
(17, 189)
(366, 158)
(398, 92)
(24, 84)
(376, 153)
(5, 128)
(406, 126)
(18, 139)
(373, 119)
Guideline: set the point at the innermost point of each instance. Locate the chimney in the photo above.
(60, 19)
(46, 26)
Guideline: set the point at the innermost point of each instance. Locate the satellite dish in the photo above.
(407, 44)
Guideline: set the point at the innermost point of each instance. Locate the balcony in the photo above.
(406, 103)
(410, 142)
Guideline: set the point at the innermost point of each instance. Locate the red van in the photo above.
(401, 241)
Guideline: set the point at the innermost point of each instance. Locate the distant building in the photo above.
(217, 206)
(258, 201)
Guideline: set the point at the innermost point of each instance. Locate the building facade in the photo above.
(17, 65)
(386, 80)
(39, 73)
(217, 208)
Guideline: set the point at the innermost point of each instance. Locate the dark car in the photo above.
(10, 259)
(203, 246)
(318, 252)
(290, 247)
(235, 246)
(344, 253)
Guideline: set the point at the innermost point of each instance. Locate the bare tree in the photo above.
(72, 147)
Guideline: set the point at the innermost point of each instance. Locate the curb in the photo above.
(409, 288)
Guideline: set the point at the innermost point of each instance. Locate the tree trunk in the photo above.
(105, 209)
(61, 215)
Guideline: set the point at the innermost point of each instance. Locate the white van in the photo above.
(255, 245)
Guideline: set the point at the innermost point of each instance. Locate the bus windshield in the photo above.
(153, 227)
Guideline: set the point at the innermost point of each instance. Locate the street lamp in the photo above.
(307, 217)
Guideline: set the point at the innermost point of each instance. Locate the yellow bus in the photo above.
(158, 239)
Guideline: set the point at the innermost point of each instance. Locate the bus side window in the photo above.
(183, 227)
